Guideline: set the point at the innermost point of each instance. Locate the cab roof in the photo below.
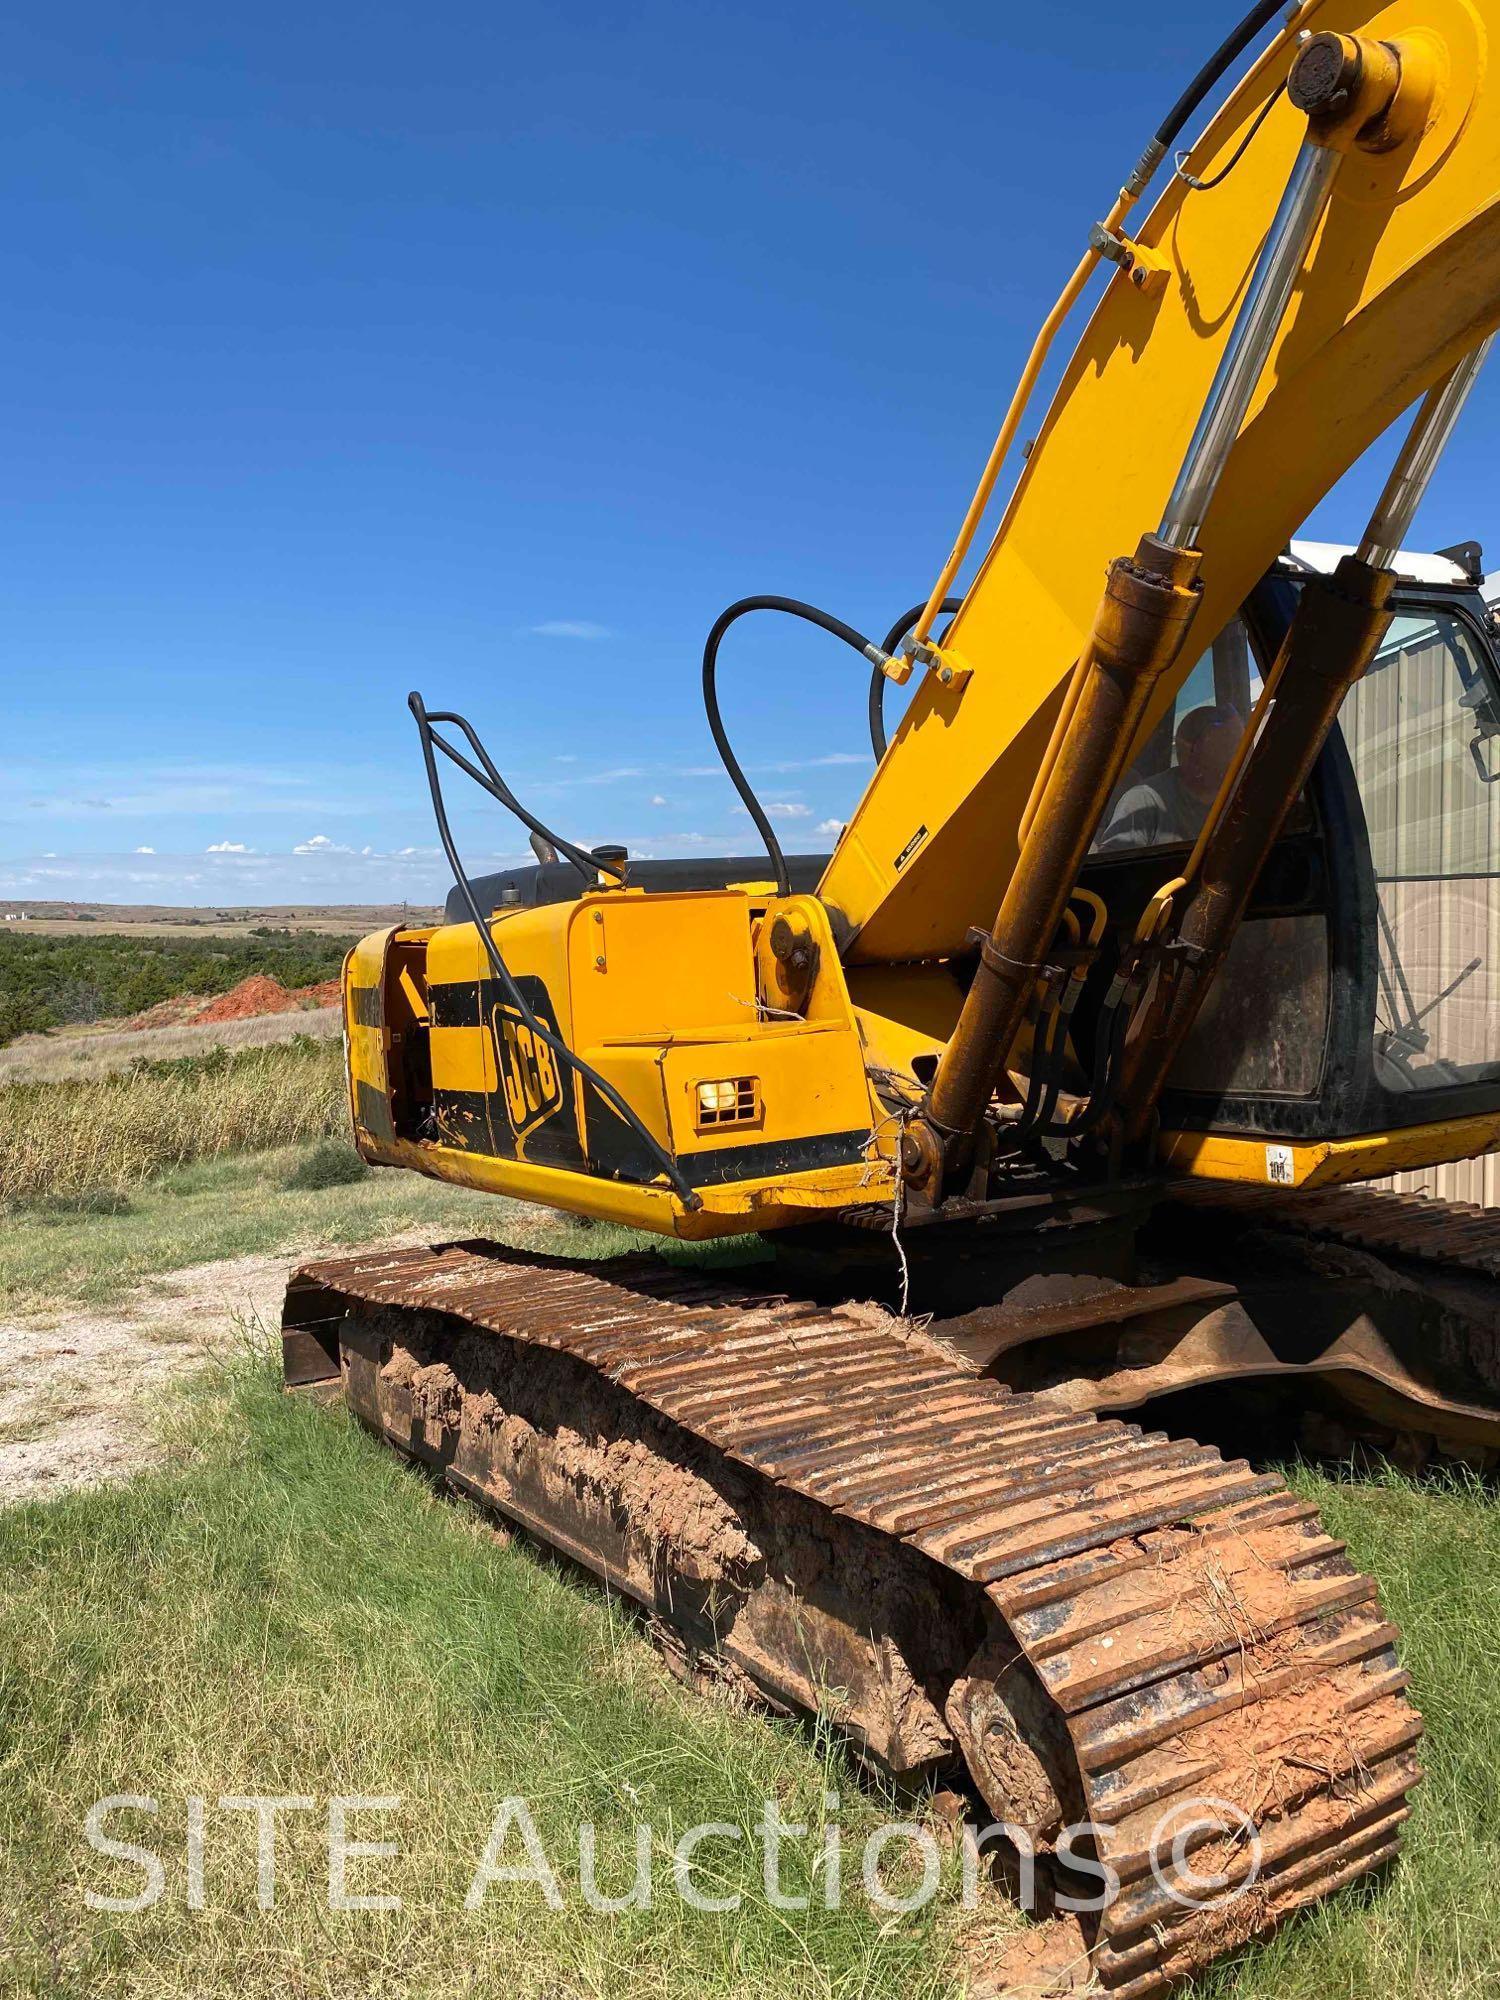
(1412, 566)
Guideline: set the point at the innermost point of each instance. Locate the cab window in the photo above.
(1173, 779)
(1262, 1029)
(1418, 730)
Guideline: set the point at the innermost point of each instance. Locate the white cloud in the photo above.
(328, 874)
(832, 827)
(320, 844)
(657, 799)
(145, 850)
(616, 774)
(818, 763)
(218, 847)
(570, 628)
(781, 769)
(788, 809)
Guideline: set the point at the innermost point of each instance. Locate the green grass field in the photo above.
(89, 1250)
(285, 1609)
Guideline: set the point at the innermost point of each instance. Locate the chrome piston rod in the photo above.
(1249, 346)
(1418, 460)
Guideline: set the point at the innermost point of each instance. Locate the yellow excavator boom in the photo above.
(1402, 279)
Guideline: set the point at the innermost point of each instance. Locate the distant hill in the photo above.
(221, 920)
(67, 966)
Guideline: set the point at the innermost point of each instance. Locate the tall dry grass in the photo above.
(58, 1058)
(115, 1131)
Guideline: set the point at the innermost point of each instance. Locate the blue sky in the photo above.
(492, 350)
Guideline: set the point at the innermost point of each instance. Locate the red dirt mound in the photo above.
(261, 994)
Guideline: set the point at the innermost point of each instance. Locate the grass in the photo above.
(52, 1254)
(117, 1131)
(84, 1053)
(287, 1610)
(331, 1163)
(92, 1248)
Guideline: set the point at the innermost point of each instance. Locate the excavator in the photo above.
(1046, 1106)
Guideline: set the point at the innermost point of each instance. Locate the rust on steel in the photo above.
(1148, 604)
(1184, 1626)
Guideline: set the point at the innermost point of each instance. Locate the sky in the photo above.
(491, 351)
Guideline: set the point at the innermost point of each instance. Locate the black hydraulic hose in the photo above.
(1228, 51)
(1046, 1049)
(794, 608)
(490, 780)
(1109, 1048)
(431, 743)
(893, 639)
(1218, 179)
(1057, 1049)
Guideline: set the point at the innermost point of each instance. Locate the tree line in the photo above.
(54, 982)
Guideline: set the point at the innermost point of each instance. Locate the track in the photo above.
(1452, 1234)
(840, 1498)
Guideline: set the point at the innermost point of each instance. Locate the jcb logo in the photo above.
(529, 1071)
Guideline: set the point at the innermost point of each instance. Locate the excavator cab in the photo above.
(1358, 1010)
